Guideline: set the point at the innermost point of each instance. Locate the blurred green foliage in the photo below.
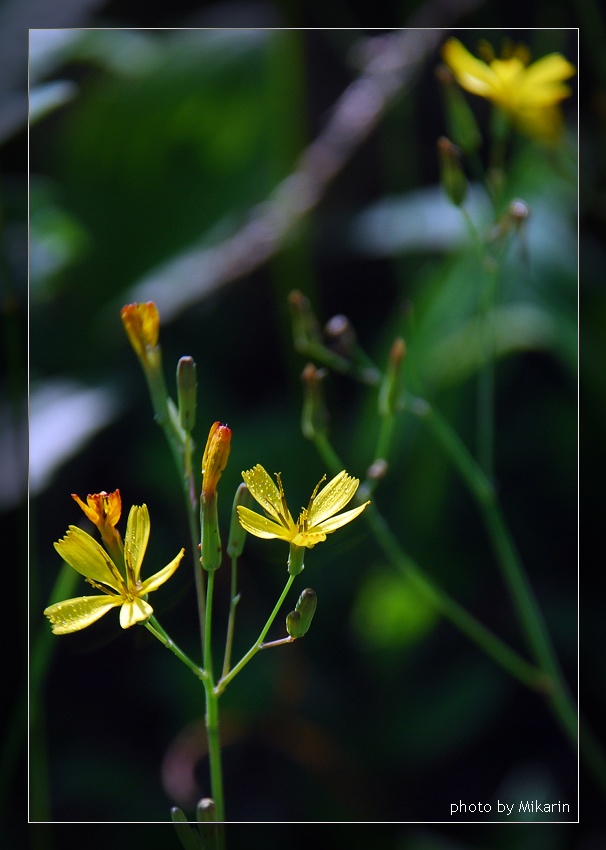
(158, 145)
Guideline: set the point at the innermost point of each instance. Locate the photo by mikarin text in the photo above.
(521, 808)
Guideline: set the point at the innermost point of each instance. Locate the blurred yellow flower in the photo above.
(528, 93)
(315, 521)
(88, 558)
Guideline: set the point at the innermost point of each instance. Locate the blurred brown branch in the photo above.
(388, 64)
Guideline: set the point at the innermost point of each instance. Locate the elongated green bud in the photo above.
(299, 620)
(462, 125)
(187, 392)
(305, 327)
(237, 534)
(188, 838)
(389, 391)
(314, 416)
(453, 179)
(206, 813)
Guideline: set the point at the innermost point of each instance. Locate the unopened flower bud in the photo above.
(340, 335)
(518, 212)
(237, 533)
(142, 325)
(214, 462)
(215, 457)
(186, 835)
(314, 417)
(452, 177)
(187, 392)
(389, 391)
(206, 810)
(299, 620)
(206, 814)
(513, 220)
(461, 122)
(305, 326)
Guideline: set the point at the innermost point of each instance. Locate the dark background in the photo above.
(369, 718)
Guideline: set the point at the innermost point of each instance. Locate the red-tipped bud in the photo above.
(215, 457)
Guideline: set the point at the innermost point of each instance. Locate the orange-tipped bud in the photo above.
(142, 325)
(215, 457)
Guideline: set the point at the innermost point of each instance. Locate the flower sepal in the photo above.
(296, 556)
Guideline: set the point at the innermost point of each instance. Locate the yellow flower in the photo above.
(88, 558)
(528, 93)
(315, 521)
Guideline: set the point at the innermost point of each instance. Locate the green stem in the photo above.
(365, 372)
(225, 680)
(153, 626)
(485, 410)
(208, 658)
(214, 750)
(435, 596)
(485, 421)
(180, 444)
(212, 707)
(512, 570)
(449, 608)
(191, 502)
(385, 434)
(235, 598)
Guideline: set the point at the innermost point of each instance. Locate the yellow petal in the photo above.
(75, 614)
(260, 526)
(154, 582)
(549, 70)
(88, 558)
(135, 611)
(334, 496)
(137, 535)
(263, 488)
(471, 73)
(342, 519)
